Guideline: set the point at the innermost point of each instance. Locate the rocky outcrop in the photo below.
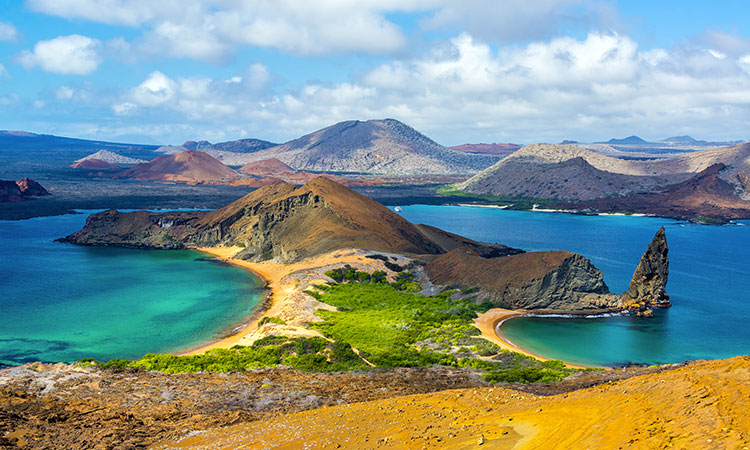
(648, 286)
(558, 280)
(21, 190)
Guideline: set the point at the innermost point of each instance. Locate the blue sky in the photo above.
(469, 71)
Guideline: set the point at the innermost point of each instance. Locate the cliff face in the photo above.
(650, 278)
(554, 281)
(559, 280)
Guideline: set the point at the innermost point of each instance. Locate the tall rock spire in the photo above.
(650, 278)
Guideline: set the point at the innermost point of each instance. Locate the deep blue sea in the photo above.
(62, 302)
(709, 283)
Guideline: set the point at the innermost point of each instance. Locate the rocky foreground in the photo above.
(62, 406)
(694, 405)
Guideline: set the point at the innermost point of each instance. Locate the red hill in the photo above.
(266, 168)
(95, 164)
(190, 166)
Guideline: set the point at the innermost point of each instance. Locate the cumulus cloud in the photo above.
(210, 29)
(8, 32)
(73, 54)
(463, 90)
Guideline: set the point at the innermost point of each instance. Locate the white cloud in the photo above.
(64, 93)
(8, 32)
(155, 90)
(74, 54)
(463, 90)
(3, 72)
(210, 30)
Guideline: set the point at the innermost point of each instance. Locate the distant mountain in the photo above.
(22, 140)
(231, 153)
(190, 166)
(542, 171)
(630, 140)
(110, 157)
(242, 146)
(703, 195)
(386, 147)
(487, 149)
(682, 139)
(571, 179)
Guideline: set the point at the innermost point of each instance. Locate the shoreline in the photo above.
(282, 299)
(238, 332)
(490, 323)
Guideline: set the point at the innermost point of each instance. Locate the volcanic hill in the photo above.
(575, 174)
(110, 157)
(704, 195)
(95, 164)
(190, 166)
(384, 147)
(266, 168)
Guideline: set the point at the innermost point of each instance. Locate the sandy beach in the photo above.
(287, 300)
(488, 323)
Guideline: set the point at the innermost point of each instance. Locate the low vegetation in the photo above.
(388, 322)
(307, 354)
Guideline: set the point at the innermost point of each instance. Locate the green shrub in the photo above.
(267, 320)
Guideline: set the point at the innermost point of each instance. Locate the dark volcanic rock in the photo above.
(558, 280)
(31, 188)
(21, 190)
(650, 278)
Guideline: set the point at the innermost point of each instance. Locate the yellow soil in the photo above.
(700, 406)
(487, 323)
(286, 283)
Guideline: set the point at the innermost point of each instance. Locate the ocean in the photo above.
(62, 302)
(709, 283)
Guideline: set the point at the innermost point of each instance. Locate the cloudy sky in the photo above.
(459, 71)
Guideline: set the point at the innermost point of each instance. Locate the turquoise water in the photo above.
(709, 283)
(61, 302)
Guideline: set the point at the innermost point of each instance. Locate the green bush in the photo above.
(267, 320)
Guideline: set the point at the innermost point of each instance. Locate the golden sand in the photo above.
(488, 324)
(287, 300)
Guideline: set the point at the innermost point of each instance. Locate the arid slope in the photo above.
(385, 147)
(190, 166)
(696, 406)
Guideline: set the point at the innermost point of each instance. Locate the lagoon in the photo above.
(709, 283)
(62, 302)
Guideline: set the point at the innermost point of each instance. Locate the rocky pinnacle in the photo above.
(650, 278)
